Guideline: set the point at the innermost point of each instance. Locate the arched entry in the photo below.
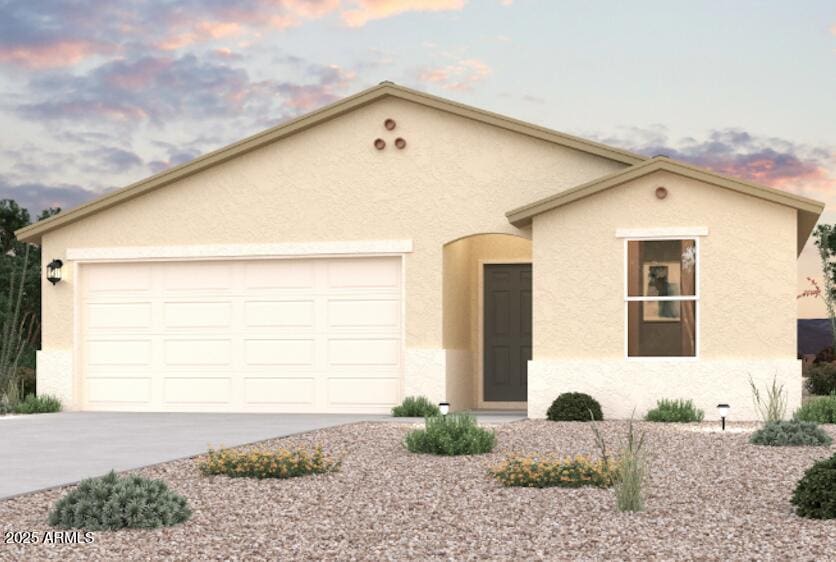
(496, 265)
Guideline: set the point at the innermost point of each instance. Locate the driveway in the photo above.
(42, 451)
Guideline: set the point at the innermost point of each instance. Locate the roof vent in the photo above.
(385, 82)
(661, 156)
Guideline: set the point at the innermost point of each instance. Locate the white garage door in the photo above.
(294, 335)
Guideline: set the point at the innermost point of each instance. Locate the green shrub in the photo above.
(279, 463)
(815, 493)
(574, 406)
(455, 434)
(415, 407)
(5, 404)
(674, 411)
(790, 434)
(40, 404)
(821, 379)
(819, 410)
(544, 472)
(115, 502)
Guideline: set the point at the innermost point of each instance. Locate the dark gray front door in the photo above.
(507, 345)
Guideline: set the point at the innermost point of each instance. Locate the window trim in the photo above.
(695, 298)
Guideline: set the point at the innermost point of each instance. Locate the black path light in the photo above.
(723, 409)
(444, 407)
(53, 271)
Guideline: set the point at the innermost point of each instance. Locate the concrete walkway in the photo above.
(48, 450)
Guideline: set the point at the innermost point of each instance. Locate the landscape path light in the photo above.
(723, 410)
(444, 407)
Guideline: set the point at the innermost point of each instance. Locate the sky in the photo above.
(97, 94)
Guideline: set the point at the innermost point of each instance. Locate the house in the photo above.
(395, 243)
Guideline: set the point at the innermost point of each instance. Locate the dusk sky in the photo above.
(95, 95)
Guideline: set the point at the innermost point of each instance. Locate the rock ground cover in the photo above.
(711, 496)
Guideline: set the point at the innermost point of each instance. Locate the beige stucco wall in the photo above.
(456, 177)
(462, 337)
(747, 308)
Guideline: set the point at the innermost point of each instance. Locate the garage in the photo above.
(242, 335)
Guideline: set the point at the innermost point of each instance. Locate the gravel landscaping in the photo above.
(711, 496)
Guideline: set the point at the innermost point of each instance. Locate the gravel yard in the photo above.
(711, 496)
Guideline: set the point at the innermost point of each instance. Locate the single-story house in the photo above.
(396, 243)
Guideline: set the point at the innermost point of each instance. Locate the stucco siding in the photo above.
(747, 302)
(454, 178)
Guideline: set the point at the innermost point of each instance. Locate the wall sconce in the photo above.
(53, 271)
(444, 407)
(723, 410)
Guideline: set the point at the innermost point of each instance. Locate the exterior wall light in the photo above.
(53, 271)
(723, 410)
(444, 407)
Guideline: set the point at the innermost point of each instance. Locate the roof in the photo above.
(33, 232)
(808, 209)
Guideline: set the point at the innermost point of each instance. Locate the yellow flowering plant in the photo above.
(534, 471)
(264, 463)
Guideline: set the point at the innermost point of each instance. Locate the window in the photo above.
(662, 298)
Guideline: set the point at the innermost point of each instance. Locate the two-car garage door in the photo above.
(280, 335)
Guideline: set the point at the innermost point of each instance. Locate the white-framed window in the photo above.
(661, 297)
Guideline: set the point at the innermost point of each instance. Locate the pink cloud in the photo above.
(462, 76)
(369, 10)
(51, 55)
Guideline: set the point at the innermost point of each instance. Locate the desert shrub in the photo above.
(415, 407)
(821, 379)
(825, 355)
(40, 404)
(455, 434)
(545, 472)
(674, 411)
(773, 405)
(790, 434)
(279, 463)
(574, 406)
(820, 410)
(815, 493)
(115, 502)
(630, 475)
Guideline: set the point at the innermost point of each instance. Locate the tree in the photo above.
(825, 238)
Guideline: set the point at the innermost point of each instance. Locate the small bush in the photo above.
(819, 410)
(821, 379)
(279, 463)
(815, 493)
(5, 405)
(545, 472)
(40, 404)
(772, 407)
(114, 502)
(415, 407)
(674, 411)
(455, 434)
(574, 406)
(790, 434)
(630, 476)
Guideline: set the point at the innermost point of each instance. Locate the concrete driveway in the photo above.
(47, 450)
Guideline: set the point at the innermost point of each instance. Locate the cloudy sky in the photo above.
(96, 94)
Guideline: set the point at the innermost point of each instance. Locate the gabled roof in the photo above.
(808, 209)
(33, 233)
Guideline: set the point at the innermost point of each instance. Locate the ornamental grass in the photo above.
(261, 463)
(544, 472)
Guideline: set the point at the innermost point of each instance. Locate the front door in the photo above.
(507, 331)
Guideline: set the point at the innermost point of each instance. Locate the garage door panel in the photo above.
(280, 274)
(279, 390)
(109, 390)
(279, 352)
(364, 351)
(356, 391)
(181, 352)
(196, 390)
(292, 335)
(197, 314)
(294, 313)
(118, 352)
(119, 315)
